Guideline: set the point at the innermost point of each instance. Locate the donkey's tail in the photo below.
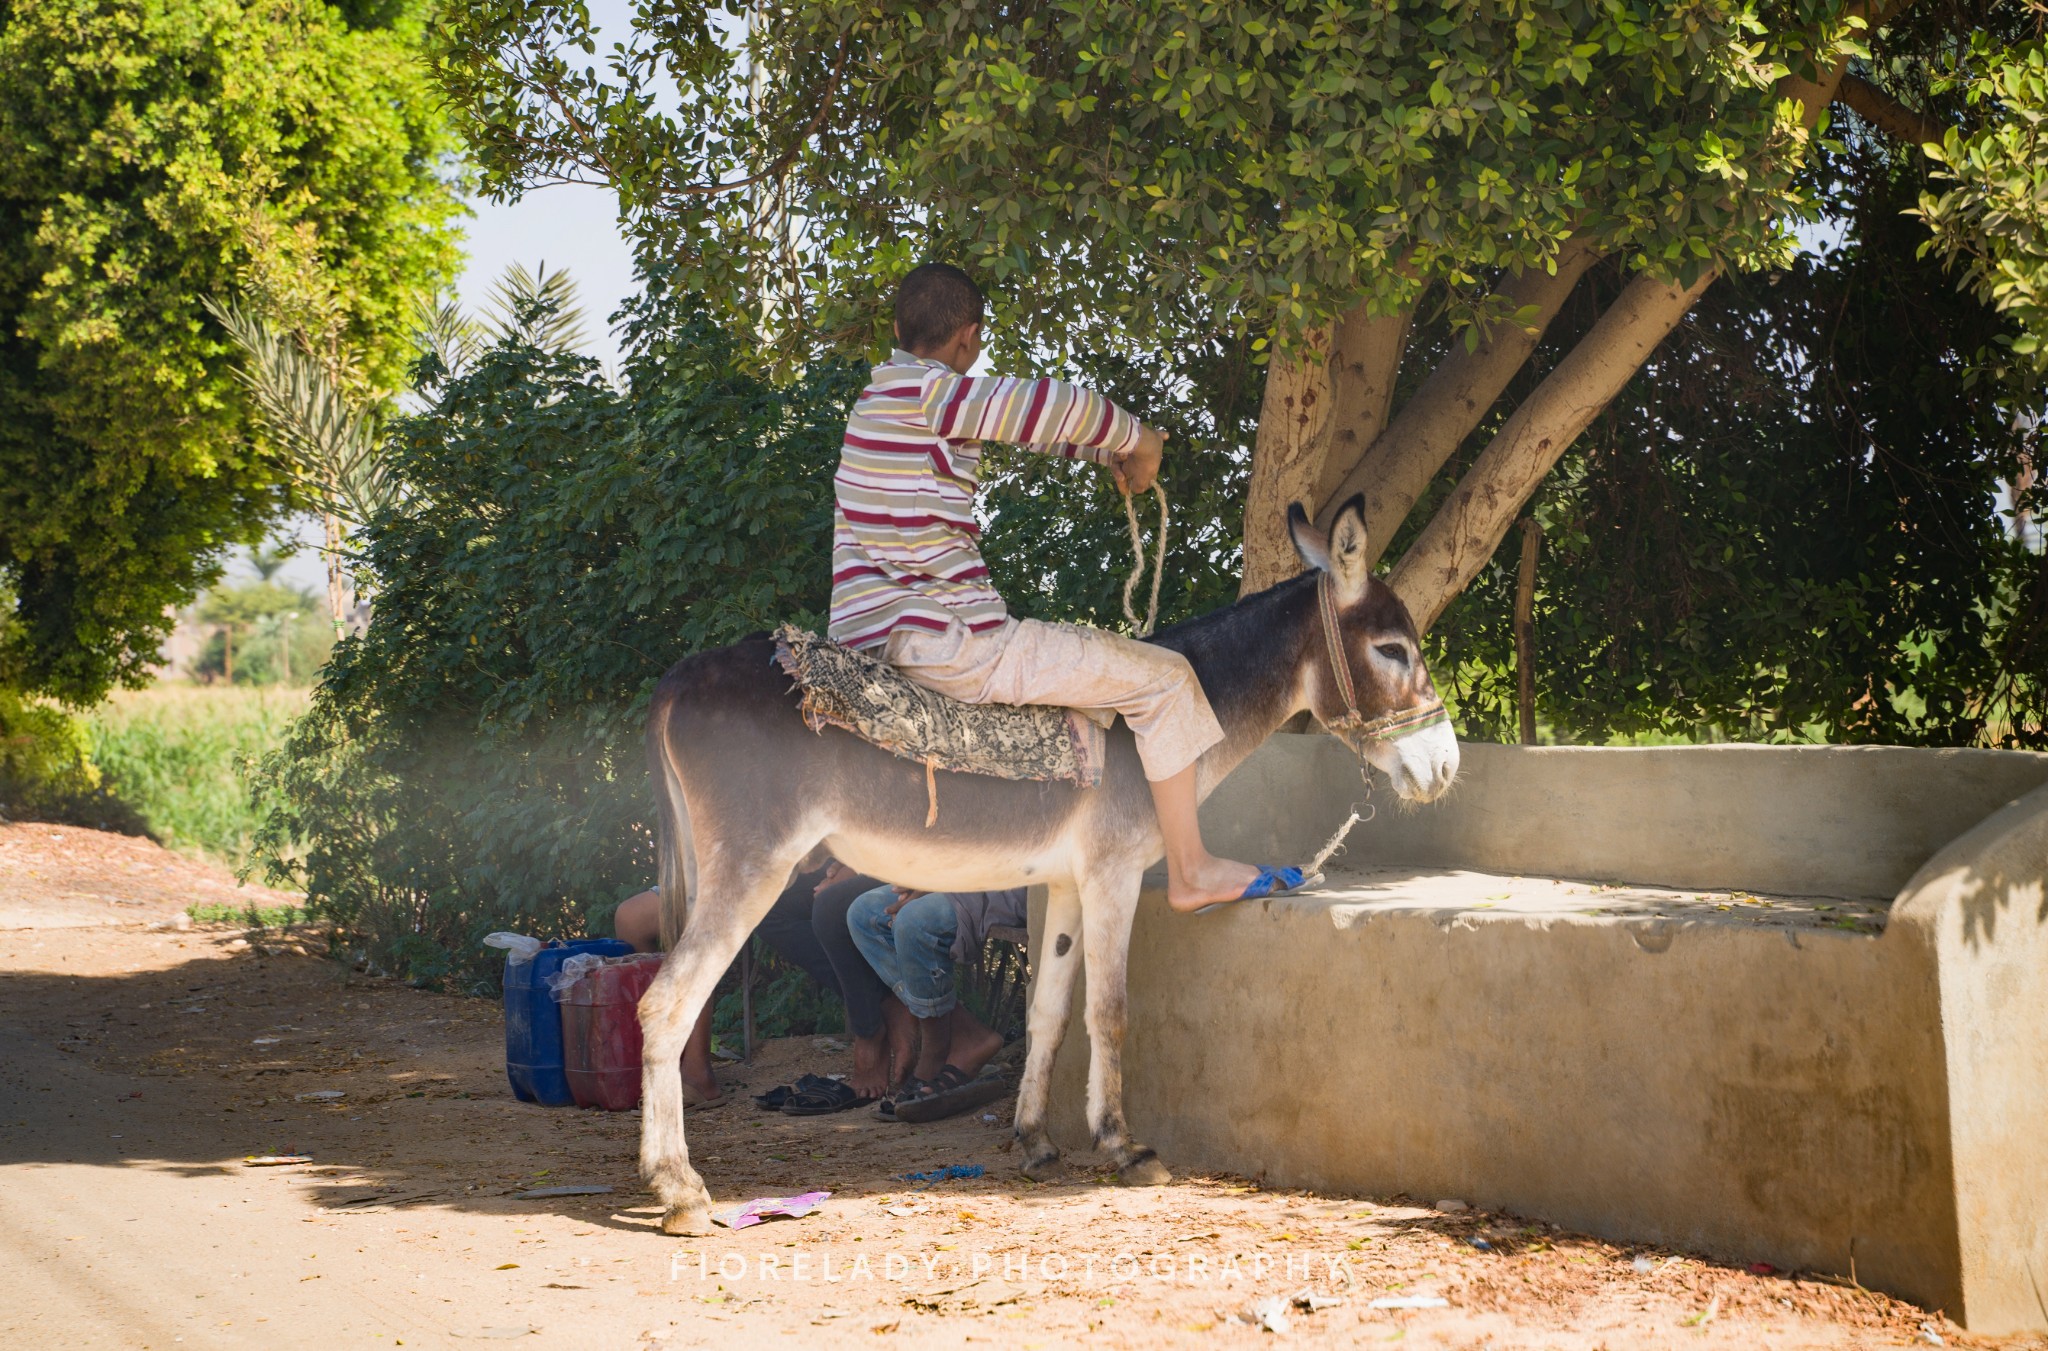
(676, 852)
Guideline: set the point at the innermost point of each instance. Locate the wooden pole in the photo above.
(1525, 623)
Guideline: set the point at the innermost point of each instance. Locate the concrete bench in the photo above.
(1780, 1004)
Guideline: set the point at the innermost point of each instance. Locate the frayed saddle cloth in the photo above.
(873, 700)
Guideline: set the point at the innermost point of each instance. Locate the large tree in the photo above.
(1394, 200)
(154, 153)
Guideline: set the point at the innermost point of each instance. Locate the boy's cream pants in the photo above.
(1025, 661)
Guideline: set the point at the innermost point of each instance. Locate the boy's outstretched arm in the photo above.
(1049, 416)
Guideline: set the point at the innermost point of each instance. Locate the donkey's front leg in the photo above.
(1108, 906)
(722, 917)
(1052, 997)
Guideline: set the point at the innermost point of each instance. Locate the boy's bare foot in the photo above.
(1206, 882)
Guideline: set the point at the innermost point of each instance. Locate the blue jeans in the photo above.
(912, 951)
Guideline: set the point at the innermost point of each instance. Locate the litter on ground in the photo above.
(765, 1207)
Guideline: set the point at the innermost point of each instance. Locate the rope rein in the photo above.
(1151, 622)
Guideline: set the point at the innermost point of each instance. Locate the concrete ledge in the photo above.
(1808, 1083)
(1827, 820)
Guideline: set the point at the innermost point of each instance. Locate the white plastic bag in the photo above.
(518, 947)
(572, 970)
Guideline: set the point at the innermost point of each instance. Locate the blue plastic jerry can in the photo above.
(533, 1020)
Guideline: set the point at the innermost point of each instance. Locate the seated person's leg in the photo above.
(638, 921)
(787, 927)
(913, 949)
(868, 924)
(884, 1034)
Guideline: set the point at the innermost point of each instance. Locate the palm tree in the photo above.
(333, 441)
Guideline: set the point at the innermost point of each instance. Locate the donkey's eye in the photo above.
(1393, 652)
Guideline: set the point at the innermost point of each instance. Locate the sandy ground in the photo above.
(139, 1067)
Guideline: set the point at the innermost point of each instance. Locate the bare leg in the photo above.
(903, 1043)
(1194, 876)
(700, 1081)
(955, 1038)
(881, 1063)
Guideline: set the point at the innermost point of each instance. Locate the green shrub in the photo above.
(473, 762)
(180, 756)
(47, 771)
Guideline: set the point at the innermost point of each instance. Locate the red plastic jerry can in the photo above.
(601, 1032)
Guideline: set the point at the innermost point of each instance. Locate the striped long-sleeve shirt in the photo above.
(903, 542)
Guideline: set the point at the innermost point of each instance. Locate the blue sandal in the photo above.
(1270, 882)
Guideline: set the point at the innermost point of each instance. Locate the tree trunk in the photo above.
(1363, 370)
(1396, 470)
(1295, 422)
(337, 580)
(1525, 630)
(1462, 536)
(1469, 526)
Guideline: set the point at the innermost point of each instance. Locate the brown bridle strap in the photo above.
(1388, 726)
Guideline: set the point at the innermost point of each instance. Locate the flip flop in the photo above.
(1269, 883)
(950, 1093)
(821, 1099)
(885, 1106)
(774, 1098)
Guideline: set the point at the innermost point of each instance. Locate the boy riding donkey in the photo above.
(908, 578)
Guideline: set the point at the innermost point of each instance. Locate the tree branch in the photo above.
(1396, 469)
(594, 157)
(1886, 113)
(1462, 536)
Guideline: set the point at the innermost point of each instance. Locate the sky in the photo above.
(568, 226)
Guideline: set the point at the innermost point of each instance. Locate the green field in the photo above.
(178, 754)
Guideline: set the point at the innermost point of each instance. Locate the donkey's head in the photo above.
(1366, 682)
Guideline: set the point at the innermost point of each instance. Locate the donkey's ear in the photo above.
(1348, 564)
(1309, 542)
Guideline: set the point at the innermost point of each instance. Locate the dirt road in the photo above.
(139, 1066)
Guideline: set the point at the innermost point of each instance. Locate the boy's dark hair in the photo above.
(933, 303)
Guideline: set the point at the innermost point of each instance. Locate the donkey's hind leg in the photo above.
(734, 896)
(1052, 996)
(1111, 905)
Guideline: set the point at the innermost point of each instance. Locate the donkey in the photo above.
(747, 791)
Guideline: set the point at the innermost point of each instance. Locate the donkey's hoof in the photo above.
(1042, 1167)
(1144, 1170)
(687, 1220)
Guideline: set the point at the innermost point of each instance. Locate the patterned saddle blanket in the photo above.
(873, 700)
